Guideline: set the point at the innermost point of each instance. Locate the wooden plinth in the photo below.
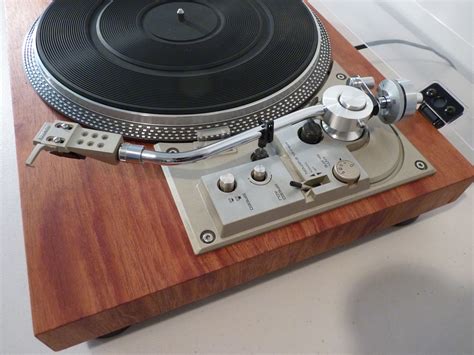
(105, 245)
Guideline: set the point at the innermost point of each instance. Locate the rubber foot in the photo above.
(113, 334)
(407, 222)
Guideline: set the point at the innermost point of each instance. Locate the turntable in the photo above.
(272, 141)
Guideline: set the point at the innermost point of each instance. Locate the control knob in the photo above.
(259, 173)
(347, 172)
(227, 183)
(311, 132)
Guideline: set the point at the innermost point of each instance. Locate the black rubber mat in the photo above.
(143, 56)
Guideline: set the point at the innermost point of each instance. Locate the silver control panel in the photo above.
(228, 198)
(310, 167)
(252, 202)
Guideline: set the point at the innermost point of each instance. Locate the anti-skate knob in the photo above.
(346, 171)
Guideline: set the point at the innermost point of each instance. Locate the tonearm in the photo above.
(345, 111)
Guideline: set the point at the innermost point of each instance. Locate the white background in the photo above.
(407, 290)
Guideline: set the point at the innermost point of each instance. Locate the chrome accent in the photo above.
(348, 110)
(361, 82)
(131, 153)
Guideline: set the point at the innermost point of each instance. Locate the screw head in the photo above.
(56, 140)
(341, 76)
(172, 150)
(64, 126)
(208, 237)
(421, 165)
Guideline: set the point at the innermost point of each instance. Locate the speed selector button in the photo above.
(347, 171)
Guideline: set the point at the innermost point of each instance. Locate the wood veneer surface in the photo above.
(105, 245)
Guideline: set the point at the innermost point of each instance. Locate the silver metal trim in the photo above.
(139, 125)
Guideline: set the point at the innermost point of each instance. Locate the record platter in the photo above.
(270, 139)
(142, 70)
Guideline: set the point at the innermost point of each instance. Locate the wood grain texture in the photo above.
(105, 245)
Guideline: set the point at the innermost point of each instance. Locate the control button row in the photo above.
(228, 184)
